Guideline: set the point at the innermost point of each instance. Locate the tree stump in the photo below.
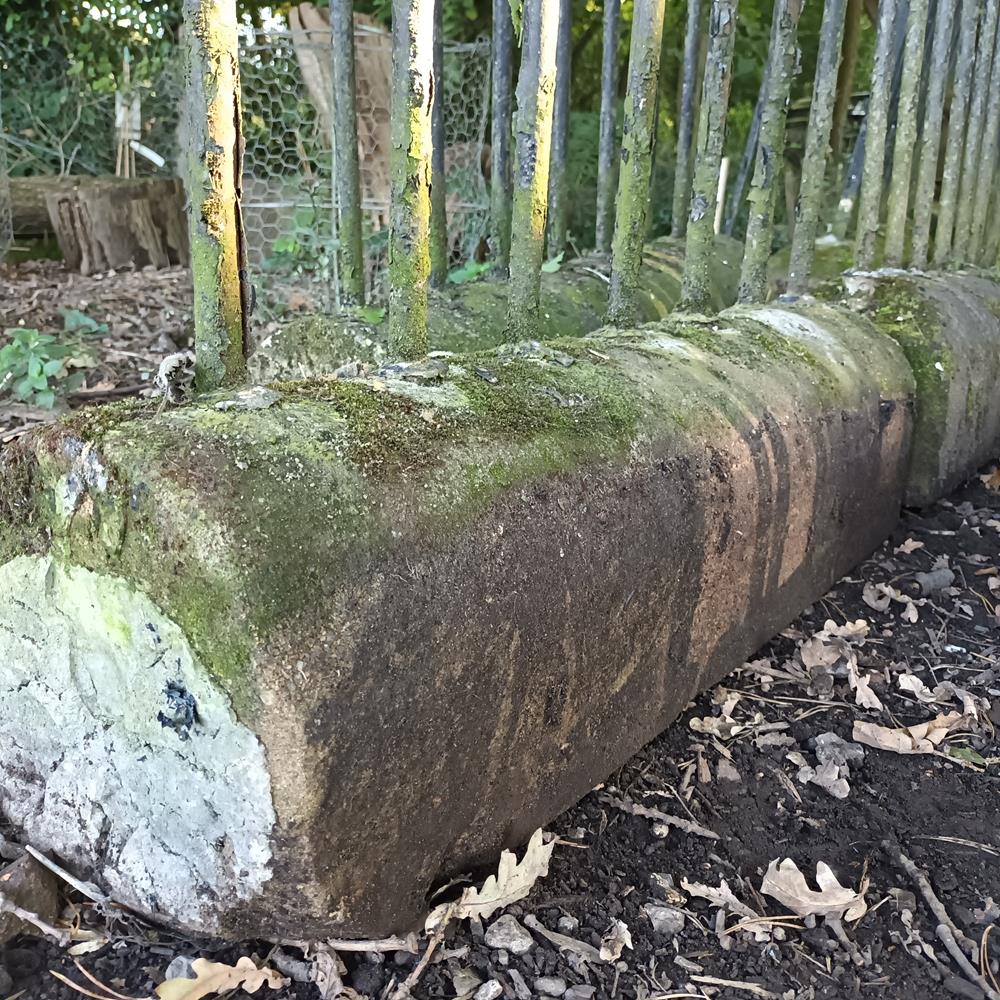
(105, 223)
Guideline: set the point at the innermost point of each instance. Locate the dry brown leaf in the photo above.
(784, 882)
(512, 882)
(616, 939)
(910, 545)
(921, 738)
(991, 480)
(215, 977)
(722, 897)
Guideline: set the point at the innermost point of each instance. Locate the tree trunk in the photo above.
(685, 124)
(906, 134)
(957, 119)
(708, 155)
(870, 207)
(532, 150)
(214, 172)
(607, 180)
(930, 147)
(558, 195)
(822, 112)
(345, 130)
(501, 183)
(108, 222)
(770, 151)
(410, 167)
(439, 193)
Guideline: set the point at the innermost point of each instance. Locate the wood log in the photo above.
(29, 214)
(105, 223)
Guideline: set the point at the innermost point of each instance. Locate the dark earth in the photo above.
(730, 774)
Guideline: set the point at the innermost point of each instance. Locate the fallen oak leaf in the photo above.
(722, 897)
(921, 738)
(215, 977)
(511, 883)
(784, 882)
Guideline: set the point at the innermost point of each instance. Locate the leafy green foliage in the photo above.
(33, 367)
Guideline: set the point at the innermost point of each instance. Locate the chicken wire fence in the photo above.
(51, 125)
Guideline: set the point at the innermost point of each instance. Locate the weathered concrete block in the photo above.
(949, 328)
(302, 662)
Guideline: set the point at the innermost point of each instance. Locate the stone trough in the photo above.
(278, 663)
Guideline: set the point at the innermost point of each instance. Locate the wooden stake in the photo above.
(607, 177)
(685, 124)
(501, 183)
(558, 209)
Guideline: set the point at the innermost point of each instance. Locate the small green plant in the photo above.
(33, 367)
(470, 271)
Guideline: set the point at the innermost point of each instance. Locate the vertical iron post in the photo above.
(700, 246)
(770, 151)
(606, 151)
(817, 149)
(638, 137)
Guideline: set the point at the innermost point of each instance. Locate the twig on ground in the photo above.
(962, 842)
(8, 905)
(736, 984)
(984, 958)
(88, 889)
(409, 943)
(99, 984)
(402, 992)
(947, 938)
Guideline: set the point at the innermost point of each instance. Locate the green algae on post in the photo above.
(410, 168)
(930, 143)
(708, 155)
(501, 183)
(439, 196)
(770, 151)
(532, 149)
(606, 149)
(638, 136)
(986, 174)
(971, 13)
(345, 129)
(870, 207)
(213, 160)
(558, 210)
(974, 135)
(685, 124)
(817, 151)
(906, 133)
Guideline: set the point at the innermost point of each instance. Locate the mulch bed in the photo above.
(741, 763)
(136, 319)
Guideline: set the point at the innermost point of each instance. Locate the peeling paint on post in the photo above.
(439, 211)
(988, 165)
(638, 136)
(501, 182)
(817, 151)
(536, 84)
(607, 179)
(213, 169)
(410, 168)
(870, 206)
(345, 128)
(906, 134)
(930, 147)
(700, 244)
(558, 195)
(957, 119)
(974, 134)
(770, 151)
(685, 126)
